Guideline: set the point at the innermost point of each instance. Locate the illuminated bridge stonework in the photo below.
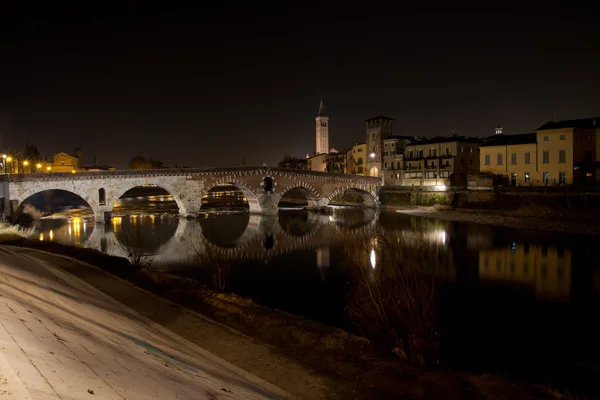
(262, 187)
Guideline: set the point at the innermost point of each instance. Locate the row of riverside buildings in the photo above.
(562, 152)
(62, 162)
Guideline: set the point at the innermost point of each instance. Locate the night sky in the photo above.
(211, 85)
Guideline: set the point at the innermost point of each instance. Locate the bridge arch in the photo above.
(370, 198)
(15, 204)
(115, 195)
(251, 198)
(311, 194)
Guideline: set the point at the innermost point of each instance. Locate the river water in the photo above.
(520, 301)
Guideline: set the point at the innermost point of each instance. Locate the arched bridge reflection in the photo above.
(250, 237)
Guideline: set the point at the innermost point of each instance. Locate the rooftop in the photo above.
(378, 118)
(444, 139)
(585, 123)
(503, 140)
(395, 137)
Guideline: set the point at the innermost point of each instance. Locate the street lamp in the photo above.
(25, 163)
(8, 159)
(48, 168)
(372, 155)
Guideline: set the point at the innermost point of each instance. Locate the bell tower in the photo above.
(322, 126)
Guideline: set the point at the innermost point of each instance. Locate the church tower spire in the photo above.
(322, 127)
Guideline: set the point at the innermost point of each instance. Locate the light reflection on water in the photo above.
(172, 242)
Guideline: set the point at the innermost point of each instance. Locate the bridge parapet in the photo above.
(184, 172)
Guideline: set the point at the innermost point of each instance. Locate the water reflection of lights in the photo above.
(51, 234)
(331, 218)
(373, 258)
(116, 221)
(42, 236)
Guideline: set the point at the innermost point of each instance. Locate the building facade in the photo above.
(65, 162)
(377, 129)
(511, 158)
(322, 128)
(393, 159)
(567, 151)
(562, 152)
(359, 153)
(440, 161)
(337, 162)
(317, 163)
(350, 167)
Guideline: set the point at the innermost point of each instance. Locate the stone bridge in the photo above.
(262, 187)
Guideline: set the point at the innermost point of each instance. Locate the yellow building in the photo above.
(567, 151)
(563, 152)
(511, 157)
(64, 162)
(547, 270)
(359, 154)
(317, 163)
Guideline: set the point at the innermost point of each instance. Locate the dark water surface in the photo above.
(524, 302)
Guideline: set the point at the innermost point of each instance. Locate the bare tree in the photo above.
(208, 255)
(130, 239)
(394, 300)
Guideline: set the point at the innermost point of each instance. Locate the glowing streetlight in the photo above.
(38, 165)
(72, 171)
(9, 159)
(48, 168)
(25, 163)
(372, 155)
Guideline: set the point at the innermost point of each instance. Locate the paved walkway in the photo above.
(60, 338)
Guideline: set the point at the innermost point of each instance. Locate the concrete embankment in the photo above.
(62, 338)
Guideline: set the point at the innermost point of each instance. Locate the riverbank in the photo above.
(302, 357)
(519, 219)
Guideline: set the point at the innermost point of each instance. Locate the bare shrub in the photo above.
(130, 239)
(33, 212)
(9, 231)
(394, 301)
(208, 255)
